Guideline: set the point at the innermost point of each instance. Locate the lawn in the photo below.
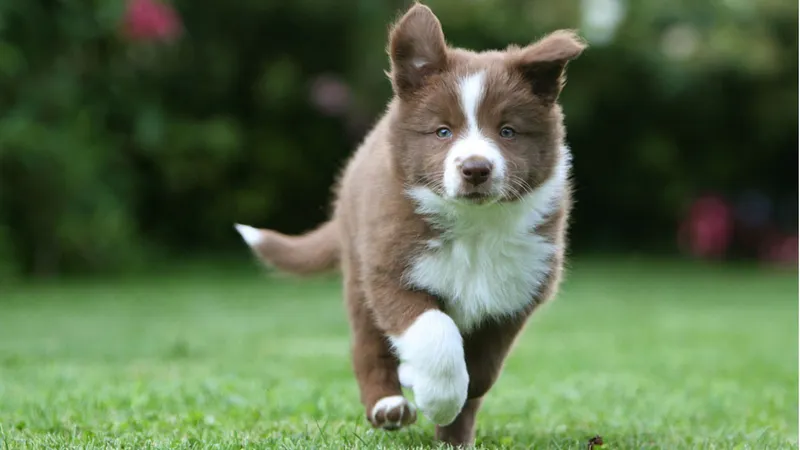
(645, 354)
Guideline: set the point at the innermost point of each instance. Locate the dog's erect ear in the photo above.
(543, 63)
(417, 49)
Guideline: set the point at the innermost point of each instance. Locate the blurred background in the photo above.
(136, 132)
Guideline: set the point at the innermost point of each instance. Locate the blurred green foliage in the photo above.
(114, 151)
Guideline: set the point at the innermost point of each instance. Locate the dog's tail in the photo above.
(306, 254)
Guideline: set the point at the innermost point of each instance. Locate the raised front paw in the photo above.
(431, 352)
(441, 394)
(405, 373)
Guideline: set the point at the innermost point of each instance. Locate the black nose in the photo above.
(476, 170)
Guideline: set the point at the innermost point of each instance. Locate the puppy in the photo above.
(448, 224)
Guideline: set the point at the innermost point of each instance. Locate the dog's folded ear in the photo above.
(543, 63)
(417, 49)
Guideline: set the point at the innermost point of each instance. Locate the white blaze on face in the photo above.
(472, 142)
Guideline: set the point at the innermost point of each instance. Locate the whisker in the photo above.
(517, 187)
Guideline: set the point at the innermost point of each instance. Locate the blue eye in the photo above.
(444, 133)
(507, 133)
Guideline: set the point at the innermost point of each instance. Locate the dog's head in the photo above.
(475, 127)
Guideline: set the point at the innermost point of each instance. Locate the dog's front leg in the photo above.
(429, 346)
(486, 349)
(431, 352)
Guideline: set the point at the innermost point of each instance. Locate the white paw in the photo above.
(392, 413)
(441, 395)
(431, 352)
(406, 375)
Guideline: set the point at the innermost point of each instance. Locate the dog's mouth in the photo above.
(478, 198)
(483, 194)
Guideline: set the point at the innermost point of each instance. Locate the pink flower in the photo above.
(707, 230)
(150, 20)
(780, 250)
(330, 95)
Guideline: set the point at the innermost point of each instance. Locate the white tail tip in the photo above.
(250, 235)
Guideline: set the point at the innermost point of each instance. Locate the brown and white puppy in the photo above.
(449, 222)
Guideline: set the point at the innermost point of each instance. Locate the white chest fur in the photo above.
(488, 261)
(483, 275)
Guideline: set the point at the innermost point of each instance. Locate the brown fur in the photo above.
(310, 253)
(375, 231)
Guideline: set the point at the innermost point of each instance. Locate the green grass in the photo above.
(648, 355)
